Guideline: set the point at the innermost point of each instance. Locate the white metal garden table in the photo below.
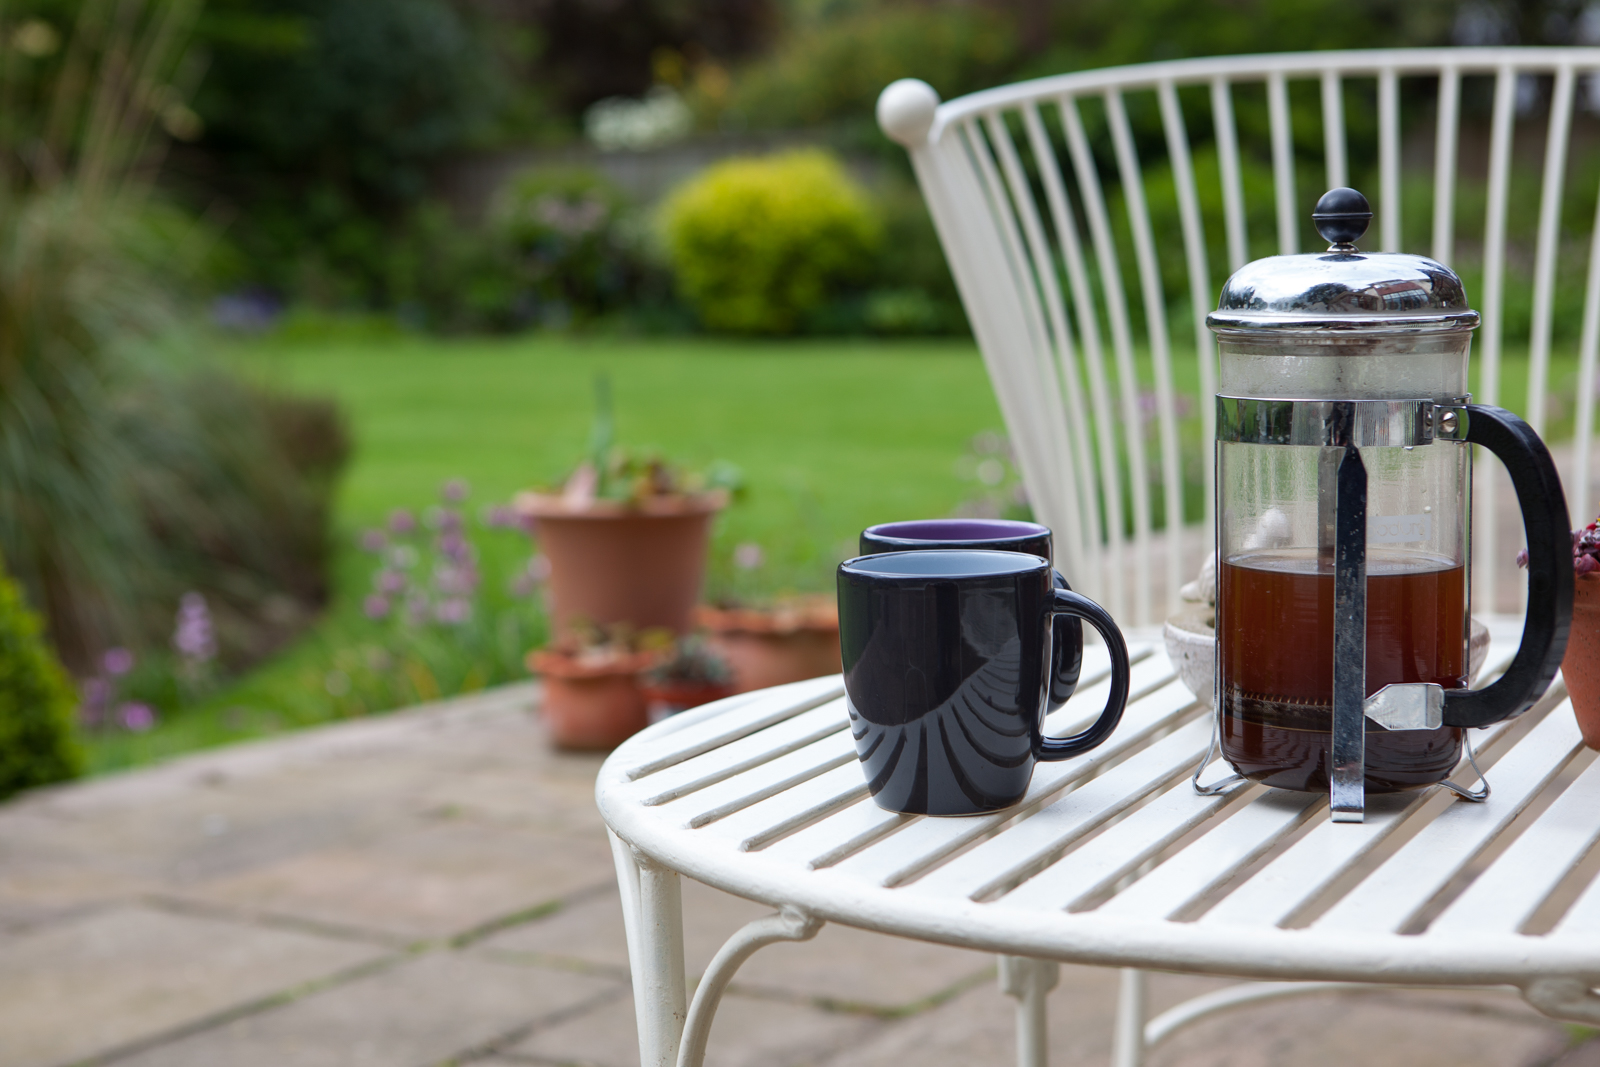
(1112, 859)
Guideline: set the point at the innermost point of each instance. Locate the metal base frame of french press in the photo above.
(1341, 428)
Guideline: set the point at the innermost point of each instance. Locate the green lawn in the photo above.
(831, 436)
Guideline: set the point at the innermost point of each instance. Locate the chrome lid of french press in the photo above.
(1343, 289)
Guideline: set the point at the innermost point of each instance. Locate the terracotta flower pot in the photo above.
(776, 646)
(1581, 666)
(592, 703)
(614, 562)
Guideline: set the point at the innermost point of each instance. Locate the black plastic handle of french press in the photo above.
(1549, 618)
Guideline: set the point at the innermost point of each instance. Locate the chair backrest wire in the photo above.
(1021, 189)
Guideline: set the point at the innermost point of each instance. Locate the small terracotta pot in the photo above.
(668, 698)
(590, 705)
(774, 647)
(612, 562)
(1581, 665)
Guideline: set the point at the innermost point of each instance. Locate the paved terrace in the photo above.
(434, 887)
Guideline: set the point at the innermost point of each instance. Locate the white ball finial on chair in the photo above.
(905, 111)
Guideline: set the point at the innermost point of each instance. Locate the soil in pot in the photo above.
(1581, 665)
(614, 562)
(592, 703)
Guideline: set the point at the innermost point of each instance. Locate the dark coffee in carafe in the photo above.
(1277, 668)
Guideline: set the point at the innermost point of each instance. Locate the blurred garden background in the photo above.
(295, 295)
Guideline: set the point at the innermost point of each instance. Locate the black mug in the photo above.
(1002, 535)
(946, 667)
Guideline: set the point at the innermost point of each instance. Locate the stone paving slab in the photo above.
(841, 966)
(420, 1013)
(747, 1032)
(127, 975)
(430, 882)
(1370, 1029)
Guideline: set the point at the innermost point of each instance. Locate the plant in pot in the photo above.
(1580, 668)
(694, 674)
(789, 640)
(769, 640)
(626, 534)
(593, 699)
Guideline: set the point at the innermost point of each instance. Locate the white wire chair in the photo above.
(1014, 176)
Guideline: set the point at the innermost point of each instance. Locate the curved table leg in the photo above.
(1029, 981)
(790, 924)
(652, 914)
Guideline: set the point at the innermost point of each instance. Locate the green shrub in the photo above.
(36, 702)
(758, 244)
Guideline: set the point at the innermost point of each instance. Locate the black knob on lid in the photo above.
(1341, 218)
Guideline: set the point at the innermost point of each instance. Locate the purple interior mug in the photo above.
(1000, 535)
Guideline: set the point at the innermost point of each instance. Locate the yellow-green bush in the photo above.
(36, 702)
(757, 244)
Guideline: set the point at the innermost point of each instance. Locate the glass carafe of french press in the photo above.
(1343, 512)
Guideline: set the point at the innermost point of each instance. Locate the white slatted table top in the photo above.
(1113, 859)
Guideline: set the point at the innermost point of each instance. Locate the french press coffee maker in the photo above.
(1343, 522)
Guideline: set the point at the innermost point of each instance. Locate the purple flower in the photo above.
(416, 610)
(453, 612)
(455, 547)
(194, 638)
(373, 541)
(390, 582)
(500, 517)
(403, 556)
(375, 606)
(456, 581)
(455, 490)
(748, 556)
(96, 695)
(117, 662)
(1585, 565)
(402, 522)
(137, 717)
(524, 585)
(445, 520)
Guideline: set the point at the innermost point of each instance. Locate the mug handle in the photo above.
(1066, 602)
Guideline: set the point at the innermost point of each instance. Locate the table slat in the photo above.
(704, 734)
(1511, 890)
(842, 834)
(913, 849)
(769, 820)
(1095, 865)
(1002, 860)
(748, 752)
(1233, 843)
(1388, 898)
(769, 779)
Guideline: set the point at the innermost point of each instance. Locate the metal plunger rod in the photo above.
(1347, 791)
